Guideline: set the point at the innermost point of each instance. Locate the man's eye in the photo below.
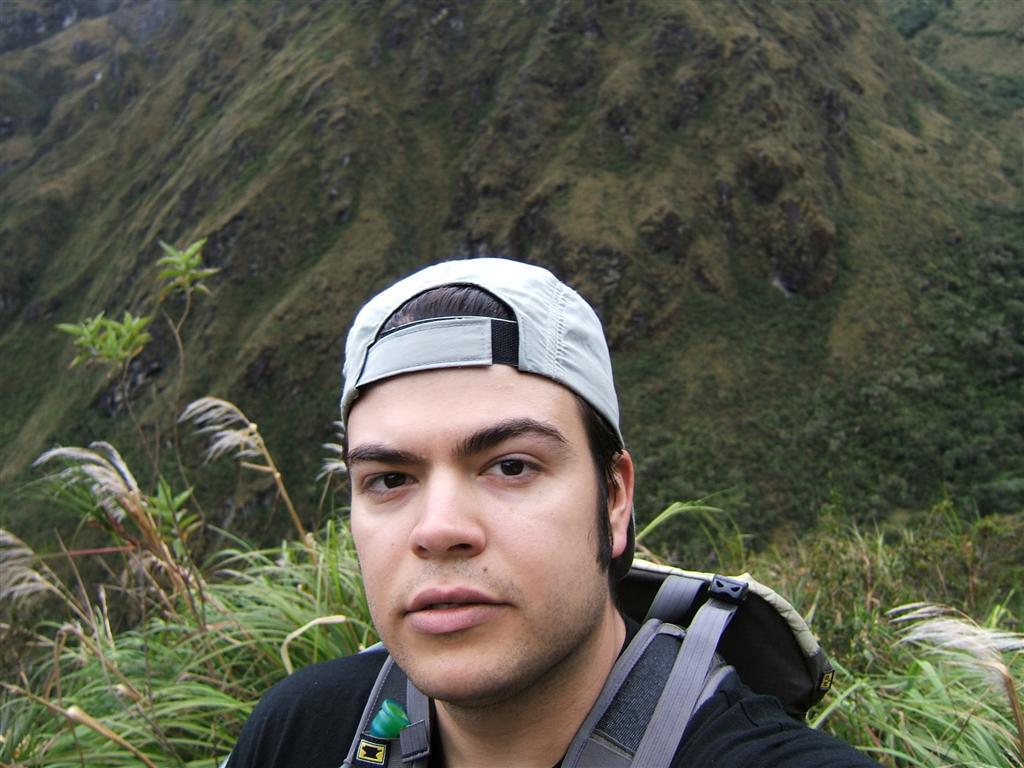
(512, 467)
(386, 482)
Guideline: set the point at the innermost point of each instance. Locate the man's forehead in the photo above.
(459, 401)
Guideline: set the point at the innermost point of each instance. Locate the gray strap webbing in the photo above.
(685, 684)
(584, 751)
(674, 598)
(414, 740)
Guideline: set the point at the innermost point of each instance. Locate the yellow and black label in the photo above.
(826, 680)
(371, 752)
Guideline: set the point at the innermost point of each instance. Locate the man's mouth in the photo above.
(442, 598)
(439, 611)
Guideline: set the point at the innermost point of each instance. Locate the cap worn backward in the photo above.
(560, 335)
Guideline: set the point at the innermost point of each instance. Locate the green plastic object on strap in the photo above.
(389, 720)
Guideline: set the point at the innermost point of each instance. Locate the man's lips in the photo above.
(435, 598)
(442, 610)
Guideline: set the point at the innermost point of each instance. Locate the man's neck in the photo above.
(537, 724)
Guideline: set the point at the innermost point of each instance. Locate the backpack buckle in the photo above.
(414, 741)
(727, 589)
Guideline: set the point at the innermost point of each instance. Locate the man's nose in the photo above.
(449, 523)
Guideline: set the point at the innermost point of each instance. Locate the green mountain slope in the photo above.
(801, 222)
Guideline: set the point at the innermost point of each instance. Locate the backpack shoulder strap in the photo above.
(675, 598)
(590, 747)
(412, 749)
(414, 739)
(658, 682)
(690, 682)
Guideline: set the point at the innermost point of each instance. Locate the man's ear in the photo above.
(620, 502)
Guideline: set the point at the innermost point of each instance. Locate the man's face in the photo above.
(474, 499)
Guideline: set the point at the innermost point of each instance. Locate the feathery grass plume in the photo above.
(24, 574)
(230, 431)
(110, 486)
(333, 470)
(21, 572)
(960, 641)
(102, 470)
(334, 464)
(98, 484)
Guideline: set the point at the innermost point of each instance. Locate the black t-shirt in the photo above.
(309, 719)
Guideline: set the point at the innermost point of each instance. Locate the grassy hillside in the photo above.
(801, 223)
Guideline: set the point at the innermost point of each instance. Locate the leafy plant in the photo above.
(946, 694)
(183, 270)
(171, 690)
(980, 651)
(108, 342)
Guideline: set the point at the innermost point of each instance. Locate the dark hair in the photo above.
(448, 301)
(605, 450)
(603, 440)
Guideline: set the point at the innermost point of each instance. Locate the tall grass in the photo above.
(162, 665)
(161, 661)
(926, 704)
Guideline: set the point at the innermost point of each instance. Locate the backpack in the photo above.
(696, 630)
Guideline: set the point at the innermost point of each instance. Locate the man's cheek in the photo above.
(377, 603)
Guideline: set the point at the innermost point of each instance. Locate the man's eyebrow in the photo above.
(381, 454)
(488, 437)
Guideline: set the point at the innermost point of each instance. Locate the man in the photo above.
(492, 516)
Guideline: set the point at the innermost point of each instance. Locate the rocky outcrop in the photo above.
(664, 232)
(765, 172)
(799, 242)
(23, 24)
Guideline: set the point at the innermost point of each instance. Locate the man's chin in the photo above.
(470, 682)
(456, 684)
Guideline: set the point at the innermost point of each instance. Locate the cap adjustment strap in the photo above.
(447, 342)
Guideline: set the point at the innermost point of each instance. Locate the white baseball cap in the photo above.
(556, 333)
